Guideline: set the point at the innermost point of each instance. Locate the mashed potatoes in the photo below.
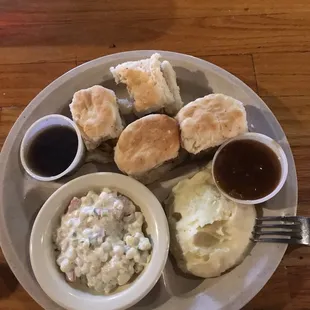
(209, 233)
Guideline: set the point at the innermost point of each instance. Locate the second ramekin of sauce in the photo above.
(250, 168)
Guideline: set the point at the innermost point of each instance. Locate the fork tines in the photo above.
(279, 218)
(278, 229)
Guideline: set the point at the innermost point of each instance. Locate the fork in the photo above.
(282, 229)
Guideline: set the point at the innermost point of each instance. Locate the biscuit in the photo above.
(151, 84)
(96, 113)
(146, 144)
(209, 121)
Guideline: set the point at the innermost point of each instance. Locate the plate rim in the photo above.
(7, 249)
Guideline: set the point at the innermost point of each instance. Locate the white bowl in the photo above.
(42, 255)
(273, 146)
(41, 125)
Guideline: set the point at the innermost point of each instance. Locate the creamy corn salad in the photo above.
(100, 241)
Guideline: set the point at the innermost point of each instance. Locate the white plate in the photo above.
(22, 197)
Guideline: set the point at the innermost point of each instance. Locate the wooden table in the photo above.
(266, 43)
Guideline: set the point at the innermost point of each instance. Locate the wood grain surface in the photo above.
(266, 43)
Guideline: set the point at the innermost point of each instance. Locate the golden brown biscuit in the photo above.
(151, 84)
(209, 121)
(146, 144)
(96, 113)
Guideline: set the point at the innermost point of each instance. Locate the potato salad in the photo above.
(100, 241)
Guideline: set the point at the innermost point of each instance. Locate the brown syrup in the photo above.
(247, 169)
(52, 151)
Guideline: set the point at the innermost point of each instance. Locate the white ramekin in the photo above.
(270, 143)
(41, 125)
